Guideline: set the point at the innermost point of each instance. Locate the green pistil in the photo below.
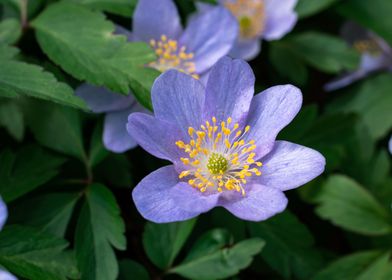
(217, 164)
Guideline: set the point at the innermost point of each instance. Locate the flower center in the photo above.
(171, 56)
(218, 157)
(369, 46)
(250, 16)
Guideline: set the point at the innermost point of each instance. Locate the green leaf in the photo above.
(163, 242)
(93, 53)
(56, 127)
(307, 8)
(7, 52)
(114, 169)
(221, 263)
(372, 100)
(26, 170)
(98, 229)
(97, 151)
(19, 78)
(358, 266)
(288, 63)
(34, 255)
(11, 117)
(348, 205)
(120, 7)
(324, 52)
(10, 31)
(50, 212)
(289, 246)
(368, 13)
(130, 270)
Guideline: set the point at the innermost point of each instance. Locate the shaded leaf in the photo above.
(307, 8)
(120, 7)
(130, 270)
(10, 31)
(11, 117)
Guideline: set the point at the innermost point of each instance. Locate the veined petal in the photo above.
(280, 18)
(210, 35)
(154, 18)
(270, 111)
(100, 99)
(259, 203)
(153, 197)
(3, 213)
(178, 98)
(246, 50)
(158, 137)
(289, 166)
(229, 90)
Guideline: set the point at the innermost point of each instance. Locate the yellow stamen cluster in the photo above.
(250, 15)
(218, 157)
(171, 56)
(370, 46)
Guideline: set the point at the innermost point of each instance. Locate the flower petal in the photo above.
(5, 275)
(152, 197)
(270, 111)
(289, 166)
(390, 145)
(280, 18)
(157, 137)
(259, 203)
(247, 50)
(210, 36)
(229, 90)
(191, 199)
(100, 99)
(115, 135)
(178, 98)
(3, 213)
(154, 18)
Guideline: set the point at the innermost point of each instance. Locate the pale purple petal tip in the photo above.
(258, 204)
(280, 18)
(246, 50)
(390, 145)
(5, 275)
(152, 197)
(3, 213)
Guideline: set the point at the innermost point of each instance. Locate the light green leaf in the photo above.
(130, 270)
(26, 170)
(221, 263)
(93, 53)
(35, 255)
(372, 100)
(19, 78)
(368, 13)
(50, 212)
(120, 7)
(325, 52)
(358, 266)
(348, 205)
(163, 242)
(11, 117)
(99, 228)
(289, 246)
(10, 31)
(307, 8)
(56, 127)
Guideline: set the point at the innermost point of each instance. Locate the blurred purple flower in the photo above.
(390, 145)
(258, 19)
(208, 37)
(4, 275)
(376, 55)
(221, 141)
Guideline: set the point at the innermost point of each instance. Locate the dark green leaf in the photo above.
(120, 7)
(93, 53)
(35, 255)
(307, 8)
(7, 52)
(99, 228)
(289, 246)
(10, 31)
(97, 150)
(221, 263)
(348, 205)
(163, 242)
(26, 170)
(19, 78)
(130, 270)
(11, 117)
(358, 266)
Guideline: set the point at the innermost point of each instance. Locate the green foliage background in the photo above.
(71, 213)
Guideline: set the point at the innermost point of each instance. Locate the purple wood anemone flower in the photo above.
(4, 275)
(376, 55)
(390, 145)
(258, 19)
(208, 37)
(221, 141)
